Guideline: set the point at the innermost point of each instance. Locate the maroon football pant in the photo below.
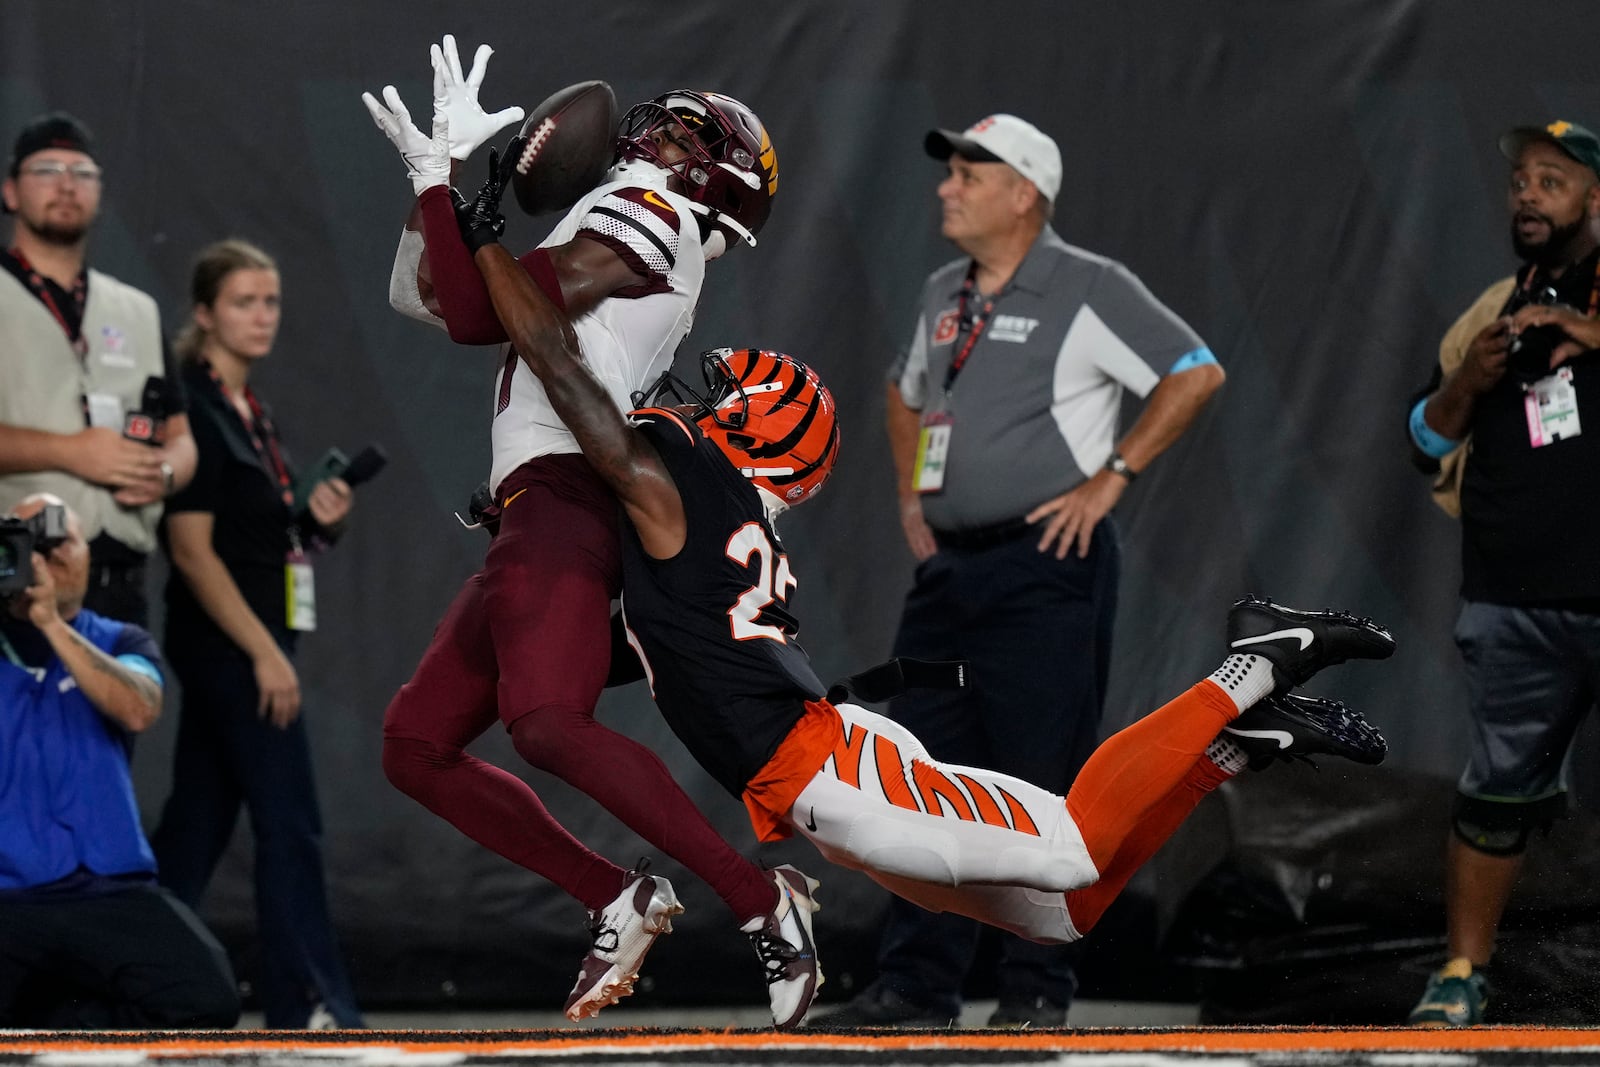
(527, 640)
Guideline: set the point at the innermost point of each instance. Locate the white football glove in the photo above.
(457, 97)
(428, 158)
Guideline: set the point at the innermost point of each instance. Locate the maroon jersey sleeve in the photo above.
(463, 296)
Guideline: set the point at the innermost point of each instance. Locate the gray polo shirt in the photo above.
(1034, 408)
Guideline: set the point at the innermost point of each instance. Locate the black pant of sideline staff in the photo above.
(1037, 632)
(130, 959)
(227, 756)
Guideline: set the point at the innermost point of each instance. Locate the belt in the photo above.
(979, 537)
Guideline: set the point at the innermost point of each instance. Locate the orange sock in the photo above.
(1134, 769)
(1086, 905)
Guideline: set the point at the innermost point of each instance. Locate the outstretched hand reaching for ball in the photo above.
(457, 96)
(427, 157)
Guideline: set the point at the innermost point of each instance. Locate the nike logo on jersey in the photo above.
(652, 197)
(512, 497)
(1283, 737)
(1299, 633)
(811, 821)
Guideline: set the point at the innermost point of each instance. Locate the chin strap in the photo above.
(717, 220)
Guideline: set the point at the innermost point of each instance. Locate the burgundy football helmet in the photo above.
(731, 172)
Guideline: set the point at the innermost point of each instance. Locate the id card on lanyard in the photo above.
(1550, 404)
(933, 440)
(299, 588)
(933, 450)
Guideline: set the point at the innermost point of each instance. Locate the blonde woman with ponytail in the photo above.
(239, 597)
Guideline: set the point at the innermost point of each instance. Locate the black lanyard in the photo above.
(79, 297)
(263, 435)
(974, 329)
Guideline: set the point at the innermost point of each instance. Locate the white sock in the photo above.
(1245, 678)
(1228, 756)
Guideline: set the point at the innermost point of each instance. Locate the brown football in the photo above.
(569, 142)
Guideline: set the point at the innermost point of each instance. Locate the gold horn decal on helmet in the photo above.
(769, 163)
(1558, 129)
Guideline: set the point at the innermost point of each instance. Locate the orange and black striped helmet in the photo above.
(770, 415)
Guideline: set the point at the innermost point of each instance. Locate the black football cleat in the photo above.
(1301, 643)
(1289, 726)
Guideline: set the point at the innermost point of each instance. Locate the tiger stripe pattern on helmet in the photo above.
(774, 418)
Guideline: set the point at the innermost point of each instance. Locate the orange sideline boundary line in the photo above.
(1210, 1040)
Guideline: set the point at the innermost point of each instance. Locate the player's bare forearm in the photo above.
(545, 341)
(589, 272)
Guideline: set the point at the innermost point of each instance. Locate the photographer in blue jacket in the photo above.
(88, 940)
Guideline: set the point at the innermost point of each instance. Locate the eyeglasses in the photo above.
(87, 173)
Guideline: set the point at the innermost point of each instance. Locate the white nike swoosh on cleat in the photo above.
(1283, 737)
(1299, 633)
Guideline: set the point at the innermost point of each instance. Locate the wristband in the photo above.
(1117, 465)
(1428, 440)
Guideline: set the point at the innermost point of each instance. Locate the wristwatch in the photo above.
(169, 478)
(1117, 465)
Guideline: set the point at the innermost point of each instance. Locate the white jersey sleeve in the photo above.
(641, 226)
(404, 296)
(629, 338)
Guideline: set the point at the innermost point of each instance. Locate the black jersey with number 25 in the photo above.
(712, 624)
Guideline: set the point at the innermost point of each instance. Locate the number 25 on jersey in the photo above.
(773, 582)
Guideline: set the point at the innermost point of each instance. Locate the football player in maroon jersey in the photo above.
(527, 639)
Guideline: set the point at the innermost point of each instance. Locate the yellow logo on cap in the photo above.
(1558, 129)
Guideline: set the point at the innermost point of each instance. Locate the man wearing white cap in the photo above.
(1002, 416)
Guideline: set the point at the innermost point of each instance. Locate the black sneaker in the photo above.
(1289, 726)
(1301, 643)
(1033, 1013)
(880, 1006)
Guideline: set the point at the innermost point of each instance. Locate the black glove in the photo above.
(480, 220)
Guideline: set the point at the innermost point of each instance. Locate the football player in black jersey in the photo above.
(706, 593)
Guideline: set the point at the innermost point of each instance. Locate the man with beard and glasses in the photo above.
(90, 408)
(1502, 428)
